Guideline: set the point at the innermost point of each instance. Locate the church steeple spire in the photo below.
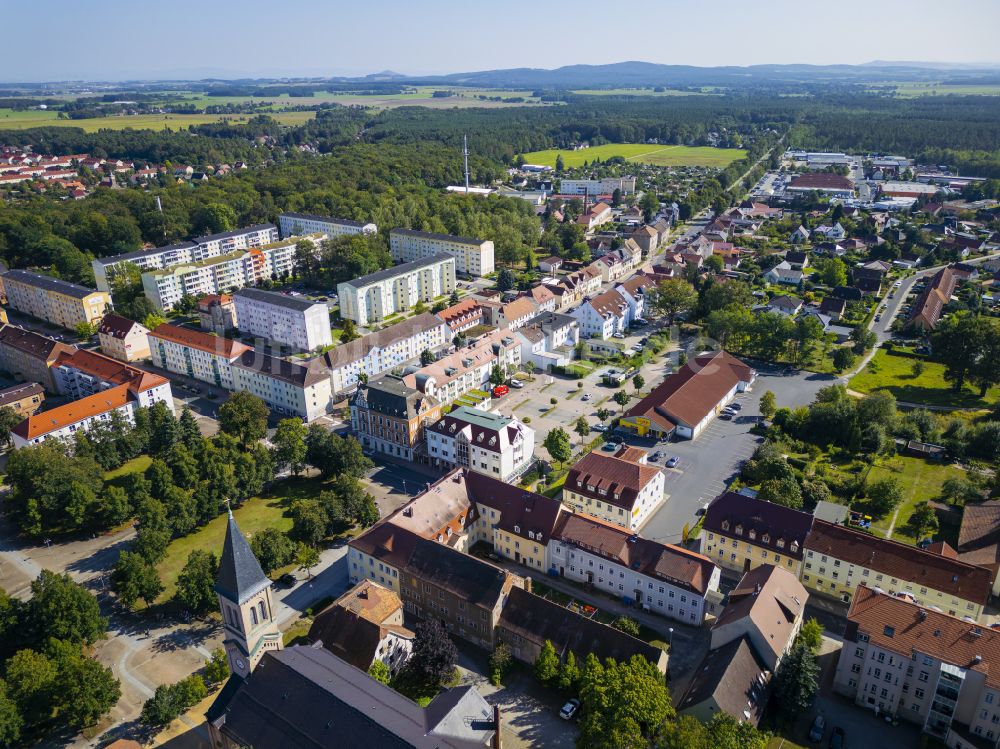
(245, 601)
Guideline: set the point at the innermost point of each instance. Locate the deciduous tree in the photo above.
(244, 416)
(558, 445)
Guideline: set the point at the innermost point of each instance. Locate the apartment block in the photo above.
(661, 578)
(24, 399)
(80, 373)
(549, 339)
(470, 367)
(741, 533)
(838, 559)
(291, 321)
(473, 257)
(297, 224)
(923, 666)
(28, 356)
(384, 293)
(219, 273)
(286, 387)
(390, 418)
(377, 353)
(62, 422)
(58, 302)
(605, 186)
(484, 442)
(201, 248)
(619, 488)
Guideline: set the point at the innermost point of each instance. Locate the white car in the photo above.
(586, 397)
(516, 384)
(569, 709)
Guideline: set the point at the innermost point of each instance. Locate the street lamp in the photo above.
(671, 638)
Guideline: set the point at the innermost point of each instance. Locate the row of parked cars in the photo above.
(819, 728)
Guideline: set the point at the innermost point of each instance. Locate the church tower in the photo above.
(245, 601)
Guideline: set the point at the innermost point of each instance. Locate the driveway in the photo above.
(708, 464)
(529, 713)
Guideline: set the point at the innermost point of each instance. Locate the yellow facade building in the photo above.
(58, 302)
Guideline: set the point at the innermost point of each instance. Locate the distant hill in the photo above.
(646, 74)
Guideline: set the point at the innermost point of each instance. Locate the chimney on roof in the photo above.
(922, 615)
(977, 660)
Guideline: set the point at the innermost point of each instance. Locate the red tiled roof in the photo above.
(217, 345)
(619, 478)
(45, 422)
(902, 626)
(109, 370)
(900, 561)
(690, 394)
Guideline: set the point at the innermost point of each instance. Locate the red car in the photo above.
(500, 390)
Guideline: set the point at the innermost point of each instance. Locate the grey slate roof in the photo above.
(240, 575)
(399, 270)
(435, 235)
(278, 300)
(305, 698)
(49, 283)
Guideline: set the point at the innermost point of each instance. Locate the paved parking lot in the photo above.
(708, 464)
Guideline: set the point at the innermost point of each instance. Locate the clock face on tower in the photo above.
(239, 663)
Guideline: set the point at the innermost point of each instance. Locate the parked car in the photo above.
(569, 709)
(736, 406)
(818, 728)
(586, 397)
(837, 738)
(726, 415)
(516, 384)
(609, 447)
(878, 318)
(655, 456)
(672, 462)
(500, 391)
(617, 335)
(598, 427)
(288, 580)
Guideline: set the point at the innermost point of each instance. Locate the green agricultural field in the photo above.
(641, 153)
(895, 374)
(634, 92)
(10, 120)
(911, 90)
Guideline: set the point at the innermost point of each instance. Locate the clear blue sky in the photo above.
(133, 39)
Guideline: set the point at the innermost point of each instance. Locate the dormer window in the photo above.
(795, 546)
(517, 529)
(766, 538)
(752, 535)
(725, 525)
(780, 543)
(739, 530)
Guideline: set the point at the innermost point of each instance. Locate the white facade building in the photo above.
(662, 578)
(292, 321)
(286, 387)
(619, 488)
(381, 294)
(604, 315)
(548, 339)
(222, 273)
(473, 257)
(485, 442)
(467, 368)
(379, 352)
(201, 248)
(297, 224)
(605, 186)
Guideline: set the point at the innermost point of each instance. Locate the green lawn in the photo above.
(895, 374)
(921, 481)
(256, 514)
(642, 153)
(136, 465)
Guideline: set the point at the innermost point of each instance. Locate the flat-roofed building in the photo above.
(922, 666)
(473, 257)
(662, 578)
(296, 322)
(123, 339)
(59, 302)
(620, 488)
(594, 187)
(379, 295)
(296, 224)
(201, 248)
(838, 559)
(218, 273)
